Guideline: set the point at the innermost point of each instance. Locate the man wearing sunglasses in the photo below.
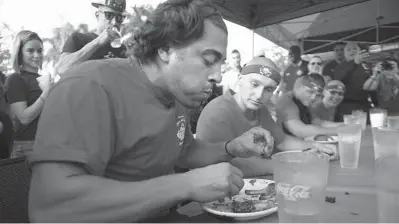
(333, 96)
(81, 47)
(293, 108)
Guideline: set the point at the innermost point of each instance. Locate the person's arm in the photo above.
(372, 83)
(72, 56)
(326, 124)
(67, 192)
(16, 96)
(302, 130)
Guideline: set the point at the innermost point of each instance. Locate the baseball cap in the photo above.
(262, 66)
(117, 5)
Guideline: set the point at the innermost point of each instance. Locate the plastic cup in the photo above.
(301, 179)
(349, 139)
(393, 122)
(378, 117)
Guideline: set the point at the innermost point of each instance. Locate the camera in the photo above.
(386, 66)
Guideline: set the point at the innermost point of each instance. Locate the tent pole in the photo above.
(378, 22)
(253, 42)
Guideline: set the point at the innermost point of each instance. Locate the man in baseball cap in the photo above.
(333, 95)
(232, 114)
(81, 47)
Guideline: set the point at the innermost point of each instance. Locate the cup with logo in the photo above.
(301, 180)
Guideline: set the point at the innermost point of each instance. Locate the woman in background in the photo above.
(25, 90)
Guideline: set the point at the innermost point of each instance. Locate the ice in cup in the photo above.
(384, 140)
(361, 118)
(351, 119)
(301, 179)
(388, 187)
(349, 139)
(378, 117)
(393, 122)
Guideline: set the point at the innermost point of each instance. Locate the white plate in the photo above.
(332, 141)
(224, 208)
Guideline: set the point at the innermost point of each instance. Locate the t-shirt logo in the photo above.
(181, 128)
(288, 74)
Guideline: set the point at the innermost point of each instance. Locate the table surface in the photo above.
(354, 190)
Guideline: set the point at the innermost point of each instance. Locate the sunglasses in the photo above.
(335, 92)
(315, 63)
(111, 15)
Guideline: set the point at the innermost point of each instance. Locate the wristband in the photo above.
(225, 148)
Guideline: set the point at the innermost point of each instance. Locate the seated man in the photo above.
(293, 112)
(112, 131)
(333, 96)
(229, 116)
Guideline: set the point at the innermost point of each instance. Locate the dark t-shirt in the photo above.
(293, 72)
(78, 40)
(109, 117)
(329, 68)
(23, 87)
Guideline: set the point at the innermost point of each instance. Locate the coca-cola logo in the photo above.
(293, 192)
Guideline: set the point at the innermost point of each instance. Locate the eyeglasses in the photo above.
(314, 90)
(111, 15)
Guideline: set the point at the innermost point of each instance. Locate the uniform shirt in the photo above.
(223, 120)
(109, 117)
(293, 72)
(78, 40)
(23, 87)
(289, 108)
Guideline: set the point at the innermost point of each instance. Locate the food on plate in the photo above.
(247, 203)
(269, 189)
(243, 207)
(323, 138)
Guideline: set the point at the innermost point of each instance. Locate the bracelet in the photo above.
(225, 148)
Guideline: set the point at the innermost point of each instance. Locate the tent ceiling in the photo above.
(259, 13)
(356, 22)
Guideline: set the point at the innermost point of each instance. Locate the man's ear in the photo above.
(164, 54)
(97, 14)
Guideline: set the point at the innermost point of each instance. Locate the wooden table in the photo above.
(354, 190)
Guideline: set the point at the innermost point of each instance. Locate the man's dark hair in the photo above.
(339, 44)
(295, 49)
(235, 51)
(174, 23)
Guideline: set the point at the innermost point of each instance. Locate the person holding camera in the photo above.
(385, 80)
(353, 73)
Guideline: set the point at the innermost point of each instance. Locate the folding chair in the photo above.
(14, 190)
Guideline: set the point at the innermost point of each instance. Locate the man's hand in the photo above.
(328, 149)
(107, 36)
(361, 56)
(214, 182)
(255, 142)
